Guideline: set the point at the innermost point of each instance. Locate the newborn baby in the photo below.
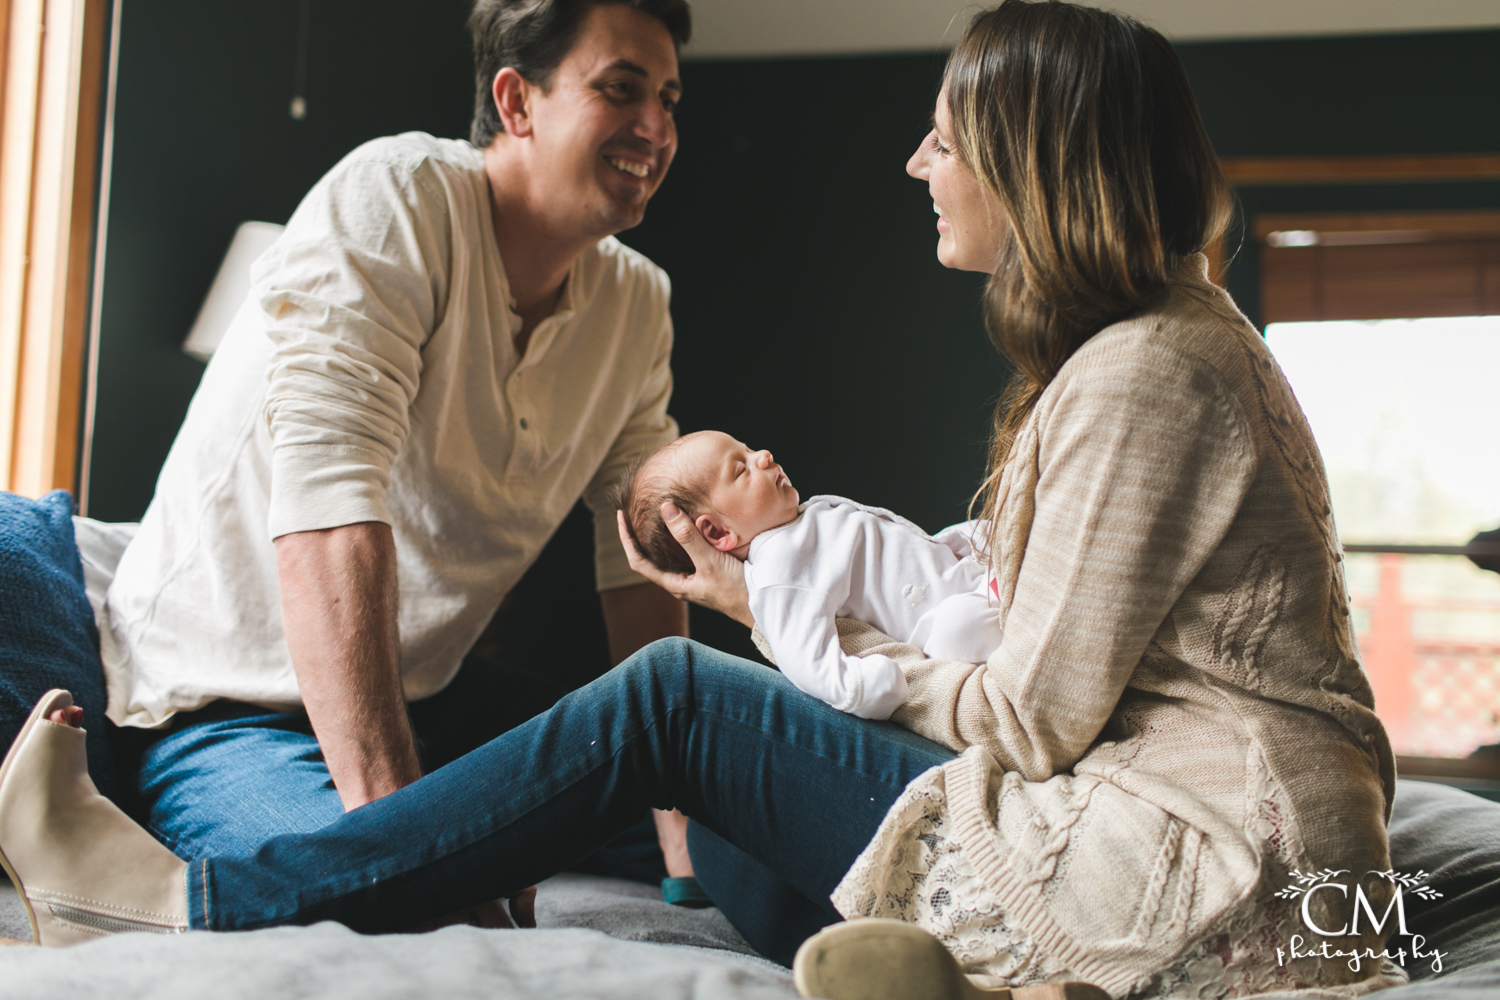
(808, 564)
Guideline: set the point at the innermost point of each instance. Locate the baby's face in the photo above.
(746, 489)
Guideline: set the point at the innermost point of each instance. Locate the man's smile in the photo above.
(629, 167)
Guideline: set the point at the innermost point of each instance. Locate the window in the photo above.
(50, 79)
(1406, 416)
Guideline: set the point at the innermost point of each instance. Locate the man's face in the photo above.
(604, 135)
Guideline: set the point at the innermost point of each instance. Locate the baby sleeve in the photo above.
(650, 427)
(798, 624)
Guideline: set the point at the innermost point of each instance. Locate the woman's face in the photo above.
(971, 224)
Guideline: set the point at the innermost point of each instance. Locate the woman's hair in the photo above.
(1081, 123)
(534, 36)
(642, 492)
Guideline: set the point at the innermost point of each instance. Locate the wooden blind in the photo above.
(49, 131)
(1379, 265)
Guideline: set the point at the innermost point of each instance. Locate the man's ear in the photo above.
(718, 536)
(512, 94)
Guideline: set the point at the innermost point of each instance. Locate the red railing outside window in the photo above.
(1433, 659)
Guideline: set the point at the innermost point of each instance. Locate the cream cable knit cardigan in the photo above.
(1178, 713)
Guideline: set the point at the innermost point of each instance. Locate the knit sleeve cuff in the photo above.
(759, 638)
(314, 487)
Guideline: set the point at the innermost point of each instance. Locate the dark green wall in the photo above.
(203, 142)
(812, 316)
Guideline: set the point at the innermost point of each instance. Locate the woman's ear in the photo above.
(512, 94)
(718, 536)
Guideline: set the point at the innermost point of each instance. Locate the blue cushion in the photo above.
(47, 633)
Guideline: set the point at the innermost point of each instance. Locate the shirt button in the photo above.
(524, 424)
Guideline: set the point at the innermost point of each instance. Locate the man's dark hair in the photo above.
(533, 36)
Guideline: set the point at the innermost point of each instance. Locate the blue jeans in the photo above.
(227, 778)
(784, 793)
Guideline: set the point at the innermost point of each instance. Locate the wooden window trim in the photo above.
(1277, 171)
(1253, 171)
(49, 145)
(1365, 265)
(1353, 228)
(1484, 769)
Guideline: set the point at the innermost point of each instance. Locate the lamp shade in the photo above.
(230, 287)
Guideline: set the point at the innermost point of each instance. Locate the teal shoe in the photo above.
(685, 892)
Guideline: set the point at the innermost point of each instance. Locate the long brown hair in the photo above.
(1083, 126)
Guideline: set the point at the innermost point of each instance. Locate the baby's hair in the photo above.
(644, 489)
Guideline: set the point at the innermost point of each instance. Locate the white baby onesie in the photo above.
(841, 559)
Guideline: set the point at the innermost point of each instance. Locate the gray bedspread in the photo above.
(607, 938)
(596, 938)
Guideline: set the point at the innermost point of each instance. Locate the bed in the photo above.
(608, 938)
(596, 937)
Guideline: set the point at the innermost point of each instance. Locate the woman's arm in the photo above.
(1131, 476)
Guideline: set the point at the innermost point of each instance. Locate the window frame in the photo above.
(51, 90)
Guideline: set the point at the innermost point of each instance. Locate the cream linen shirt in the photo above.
(371, 376)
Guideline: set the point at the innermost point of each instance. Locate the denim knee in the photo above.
(680, 666)
(674, 648)
(666, 664)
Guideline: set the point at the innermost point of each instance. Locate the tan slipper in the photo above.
(873, 959)
(82, 868)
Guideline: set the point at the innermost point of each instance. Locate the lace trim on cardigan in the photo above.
(922, 875)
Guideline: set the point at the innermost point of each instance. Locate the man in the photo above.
(441, 354)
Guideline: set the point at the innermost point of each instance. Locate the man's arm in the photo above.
(637, 616)
(338, 610)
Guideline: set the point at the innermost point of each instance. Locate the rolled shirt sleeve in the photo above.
(352, 290)
(648, 429)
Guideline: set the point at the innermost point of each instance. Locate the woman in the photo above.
(1176, 719)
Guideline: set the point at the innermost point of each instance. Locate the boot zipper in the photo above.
(107, 924)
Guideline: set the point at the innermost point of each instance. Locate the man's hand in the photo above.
(338, 610)
(717, 580)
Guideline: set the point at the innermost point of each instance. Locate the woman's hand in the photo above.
(717, 580)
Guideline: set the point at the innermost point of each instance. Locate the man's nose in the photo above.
(655, 125)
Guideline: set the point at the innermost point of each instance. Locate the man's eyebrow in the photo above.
(635, 69)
